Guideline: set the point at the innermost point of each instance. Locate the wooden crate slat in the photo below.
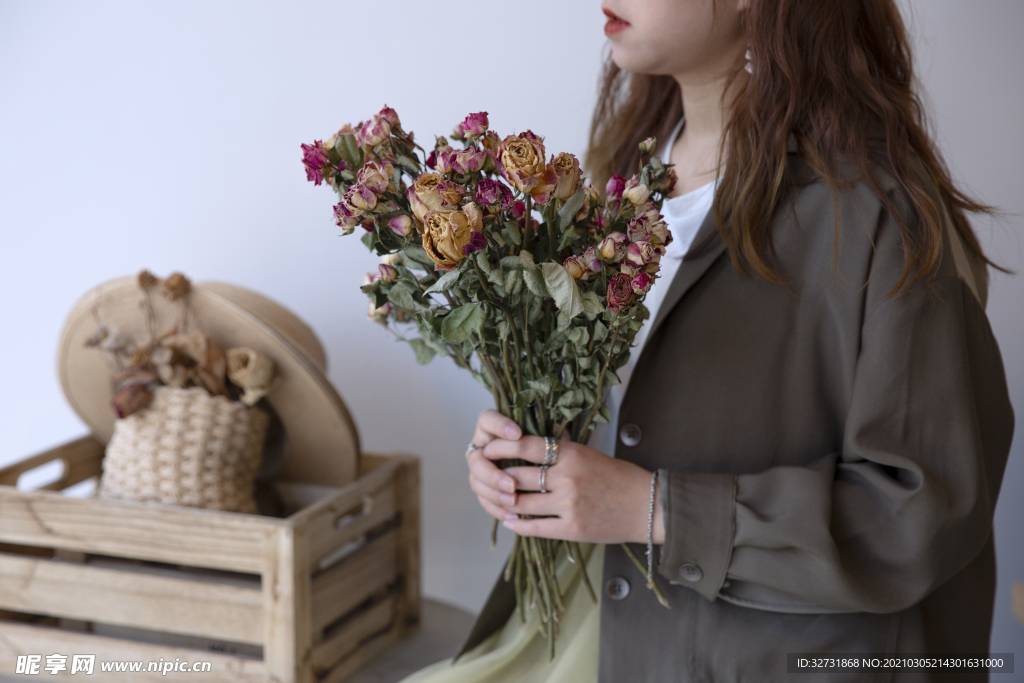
(286, 604)
(344, 586)
(164, 533)
(345, 640)
(377, 507)
(23, 639)
(81, 457)
(127, 598)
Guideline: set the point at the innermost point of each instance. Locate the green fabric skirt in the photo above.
(519, 651)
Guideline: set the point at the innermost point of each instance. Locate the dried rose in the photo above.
(376, 176)
(638, 228)
(381, 314)
(203, 350)
(477, 242)
(591, 260)
(568, 177)
(314, 158)
(131, 399)
(522, 165)
(641, 283)
(444, 159)
(378, 128)
(346, 218)
(492, 192)
(640, 253)
(431, 161)
(401, 225)
(635, 192)
(668, 183)
(451, 194)
(251, 371)
(468, 160)
(576, 267)
(358, 199)
(445, 233)
(660, 234)
(176, 286)
(146, 280)
(613, 247)
(591, 198)
(474, 125)
(616, 184)
(387, 273)
(647, 146)
(620, 291)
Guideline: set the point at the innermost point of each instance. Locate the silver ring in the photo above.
(550, 452)
(470, 448)
(542, 477)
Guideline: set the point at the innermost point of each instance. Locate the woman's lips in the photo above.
(615, 23)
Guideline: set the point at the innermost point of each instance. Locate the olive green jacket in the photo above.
(830, 457)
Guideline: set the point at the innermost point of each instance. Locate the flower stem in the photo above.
(650, 579)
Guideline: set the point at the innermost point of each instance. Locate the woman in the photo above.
(819, 392)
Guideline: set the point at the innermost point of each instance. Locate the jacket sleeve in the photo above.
(905, 504)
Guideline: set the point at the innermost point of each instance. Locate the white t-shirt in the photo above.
(684, 215)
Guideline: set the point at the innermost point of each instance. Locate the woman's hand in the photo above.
(590, 497)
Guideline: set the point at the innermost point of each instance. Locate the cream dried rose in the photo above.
(446, 233)
(522, 165)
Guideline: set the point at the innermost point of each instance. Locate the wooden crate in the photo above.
(308, 597)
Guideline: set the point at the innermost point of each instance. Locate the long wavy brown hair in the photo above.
(838, 75)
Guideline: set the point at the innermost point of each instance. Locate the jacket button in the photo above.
(691, 572)
(630, 434)
(617, 588)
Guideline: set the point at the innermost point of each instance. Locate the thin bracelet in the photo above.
(650, 533)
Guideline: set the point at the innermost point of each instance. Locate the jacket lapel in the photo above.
(694, 265)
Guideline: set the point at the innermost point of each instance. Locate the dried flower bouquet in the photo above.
(509, 264)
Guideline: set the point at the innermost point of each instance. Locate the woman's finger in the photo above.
(530, 448)
(528, 477)
(490, 474)
(535, 504)
(546, 527)
(497, 497)
(494, 424)
(494, 510)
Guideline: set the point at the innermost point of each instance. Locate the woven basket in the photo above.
(187, 448)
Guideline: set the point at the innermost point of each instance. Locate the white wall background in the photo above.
(166, 136)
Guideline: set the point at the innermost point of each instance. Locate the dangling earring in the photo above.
(749, 66)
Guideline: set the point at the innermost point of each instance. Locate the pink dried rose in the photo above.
(477, 242)
(358, 197)
(638, 228)
(635, 192)
(620, 291)
(473, 125)
(641, 283)
(522, 165)
(490, 191)
(576, 267)
(314, 158)
(613, 247)
(669, 182)
(640, 253)
(468, 160)
(387, 273)
(591, 260)
(381, 314)
(346, 218)
(444, 159)
(401, 225)
(568, 177)
(378, 128)
(647, 146)
(376, 176)
(431, 160)
(660, 234)
(616, 184)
